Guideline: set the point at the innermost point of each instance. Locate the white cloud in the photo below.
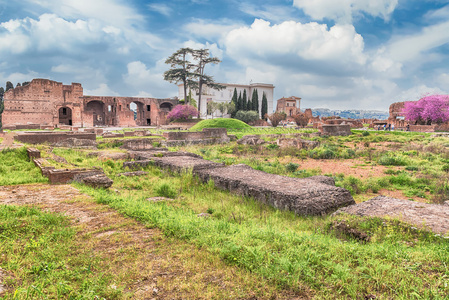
(344, 10)
(411, 47)
(112, 12)
(17, 77)
(417, 92)
(149, 82)
(210, 29)
(267, 12)
(102, 90)
(161, 8)
(295, 44)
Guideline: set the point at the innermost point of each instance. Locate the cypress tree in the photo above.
(245, 101)
(234, 100)
(239, 102)
(253, 100)
(256, 101)
(264, 109)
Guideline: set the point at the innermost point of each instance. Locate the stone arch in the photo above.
(98, 114)
(65, 115)
(139, 113)
(166, 106)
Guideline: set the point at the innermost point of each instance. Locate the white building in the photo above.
(226, 94)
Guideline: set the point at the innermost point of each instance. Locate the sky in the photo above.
(337, 54)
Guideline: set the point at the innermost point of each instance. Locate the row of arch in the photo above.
(104, 115)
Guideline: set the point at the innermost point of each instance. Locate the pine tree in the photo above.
(180, 69)
(264, 109)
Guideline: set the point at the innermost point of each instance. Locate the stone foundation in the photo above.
(51, 137)
(335, 130)
(309, 196)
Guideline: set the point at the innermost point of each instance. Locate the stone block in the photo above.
(303, 196)
(98, 181)
(433, 217)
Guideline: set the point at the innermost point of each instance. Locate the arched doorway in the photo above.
(139, 113)
(65, 116)
(97, 109)
(166, 107)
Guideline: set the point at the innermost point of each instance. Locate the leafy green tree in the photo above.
(9, 86)
(203, 58)
(247, 116)
(18, 84)
(180, 68)
(264, 109)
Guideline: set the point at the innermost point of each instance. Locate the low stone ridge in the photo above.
(335, 130)
(205, 137)
(140, 144)
(77, 143)
(110, 155)
(185, 163)
(431, 217)
(304, 196)
(297, 143)
(33, 153)
(251, 140)
(131, 174)
(98, 181)
(51, 137)
(143, 155)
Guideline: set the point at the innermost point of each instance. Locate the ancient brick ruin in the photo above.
(50, 103)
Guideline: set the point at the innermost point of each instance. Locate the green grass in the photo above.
(16, 168)
(219, 123)
(289, 250)
(39, 253)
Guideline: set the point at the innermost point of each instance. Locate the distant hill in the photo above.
(351, 113)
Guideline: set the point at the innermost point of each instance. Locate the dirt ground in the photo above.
(150, 265)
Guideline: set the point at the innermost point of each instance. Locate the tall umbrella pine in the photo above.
(202, 58)
(180, 69)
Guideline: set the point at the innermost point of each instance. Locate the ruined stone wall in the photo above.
(47, 102)
(207, 133)
(335, 130)
(51, 137)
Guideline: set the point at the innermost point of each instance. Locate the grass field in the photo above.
(290, 255)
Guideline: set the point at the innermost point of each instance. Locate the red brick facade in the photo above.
(47, 102)
(290, 105)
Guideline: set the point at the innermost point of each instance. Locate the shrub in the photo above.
(276, 118)
(301, 120)
(291, 167)
(165, 190)
(365, 133)
(247, 116)
(182, 113)
(392, 160)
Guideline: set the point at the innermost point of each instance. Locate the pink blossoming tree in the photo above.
(428, 110)
(182, 113)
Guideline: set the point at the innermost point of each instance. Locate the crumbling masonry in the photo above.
(50, 103)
